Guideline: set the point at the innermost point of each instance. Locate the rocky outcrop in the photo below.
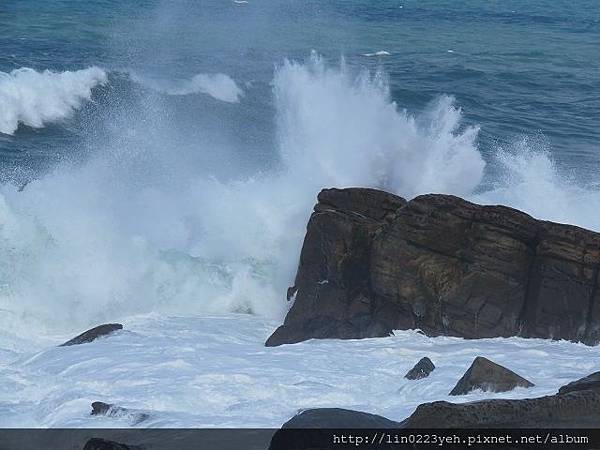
(421, 370)
(591, 382)
(488, 376)
(372, 263)
(93, 334)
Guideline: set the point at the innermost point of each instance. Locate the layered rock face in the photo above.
(372, 262)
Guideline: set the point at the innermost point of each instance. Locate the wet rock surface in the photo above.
(107, 409)
(421, 370)
(488, 376)
(93, 334)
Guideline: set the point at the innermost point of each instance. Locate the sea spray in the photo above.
(218, 85)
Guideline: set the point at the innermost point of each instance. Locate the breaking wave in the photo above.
(97, 242)
(36, 98)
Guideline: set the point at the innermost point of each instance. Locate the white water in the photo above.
(214, 371)
(37, 98)
(101, 242)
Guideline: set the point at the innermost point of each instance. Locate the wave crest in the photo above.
(36, 98)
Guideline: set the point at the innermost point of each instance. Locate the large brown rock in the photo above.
(372, 262)
(488, 376)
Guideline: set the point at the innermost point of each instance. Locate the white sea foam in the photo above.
(214, 371)
(36, 98)
(217, 85)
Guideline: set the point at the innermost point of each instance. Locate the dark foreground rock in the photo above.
(578, 409)
(302, 431)
(372, 262)
(93, 334)
(591, 382)
(104, 444)
(421, 370)
(338, 418)
(488, 376)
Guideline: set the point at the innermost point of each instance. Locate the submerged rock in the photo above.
(421, 370)
(93, 334)
(488, 376)
(372, 262)
(107, 409)
(592, 382)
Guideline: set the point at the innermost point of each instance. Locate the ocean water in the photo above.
(159, 161)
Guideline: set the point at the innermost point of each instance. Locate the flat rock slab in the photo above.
(93, 334)
(488, 376)
(592, 381)
(421, 370)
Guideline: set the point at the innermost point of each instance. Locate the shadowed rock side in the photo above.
(488, 376)
(372, 263)
(93, 334)
(332, 292)
(421, 370)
